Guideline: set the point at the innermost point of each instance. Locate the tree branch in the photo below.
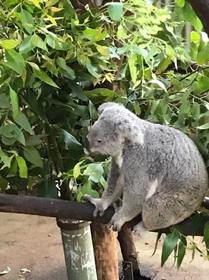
(80, 211)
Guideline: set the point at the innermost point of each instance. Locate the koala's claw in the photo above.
(98, 211)
(139, 229)
(115, 223)
(99, 207)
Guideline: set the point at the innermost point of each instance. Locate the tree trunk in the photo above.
(105, 251)
(201, 8)
(128, 249)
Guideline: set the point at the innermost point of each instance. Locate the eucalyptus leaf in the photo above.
(33, 156)
(115, 10)
(23, 122)
(169, 245)
(23, 170)
(15, 61)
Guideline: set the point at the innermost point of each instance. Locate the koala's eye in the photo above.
(99, 140)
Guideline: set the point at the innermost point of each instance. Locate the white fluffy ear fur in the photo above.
(125, 122)
(108, 105)
(128, 128)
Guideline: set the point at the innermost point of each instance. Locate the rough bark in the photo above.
(201, 8)
(128, 249)
(105, 251)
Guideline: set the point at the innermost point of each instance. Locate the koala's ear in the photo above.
(108, 105)
(129, 130)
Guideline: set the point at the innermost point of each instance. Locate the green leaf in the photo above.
(9, 44)
(87, 189)
(203, 56)
(93, 70)
(23, 170)
(191, 17)
(19, 135)
(33, 156)
(206, 232)
(180, 3)
(5, 159)
(206, 236)
(44, 77)
(159, 234)
(4, 101)
(15, 61)
(38, 42)
(56, 43)
(159, 84)
(77, 169)
(181, 250)
(100, 91)
(94, 171)
(203, 127)
(33, 140)
(69, 138)
(14, 101)
(27, 45)
(11, 131)
(195, 37)
(23, 122)
(169, 245)
(77, 91)
(95, 35)
(115, 10)
(132, 68)
(27, 21)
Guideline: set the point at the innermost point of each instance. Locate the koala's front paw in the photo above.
(139, 229)
(97, 202)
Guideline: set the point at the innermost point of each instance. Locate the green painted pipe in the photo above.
(78, 249)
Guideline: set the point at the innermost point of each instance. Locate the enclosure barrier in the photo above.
(74, 218)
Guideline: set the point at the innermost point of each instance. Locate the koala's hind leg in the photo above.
(130, 209)
(164, 210)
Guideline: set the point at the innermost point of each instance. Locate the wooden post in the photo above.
(105, 251)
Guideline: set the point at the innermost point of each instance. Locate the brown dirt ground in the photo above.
(35, 243)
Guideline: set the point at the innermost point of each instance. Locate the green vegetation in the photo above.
(57, 66)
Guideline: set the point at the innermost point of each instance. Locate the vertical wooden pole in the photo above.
(105, 251)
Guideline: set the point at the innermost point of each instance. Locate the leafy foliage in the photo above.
(57, 65)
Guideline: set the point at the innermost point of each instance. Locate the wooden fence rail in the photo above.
(81, 211)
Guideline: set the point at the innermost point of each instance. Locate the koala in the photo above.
(158, 170)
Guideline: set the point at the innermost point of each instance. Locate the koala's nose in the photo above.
(86, 144)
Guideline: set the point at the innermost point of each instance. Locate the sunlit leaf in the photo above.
(9, 44)
(195, 37)
(180, 3)
(103, 50)
(77, 169)
(23, 170)
(45, 78)
(203, 126)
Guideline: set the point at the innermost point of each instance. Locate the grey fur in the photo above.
(158, 169)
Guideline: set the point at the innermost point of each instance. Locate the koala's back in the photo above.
(171, 158)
